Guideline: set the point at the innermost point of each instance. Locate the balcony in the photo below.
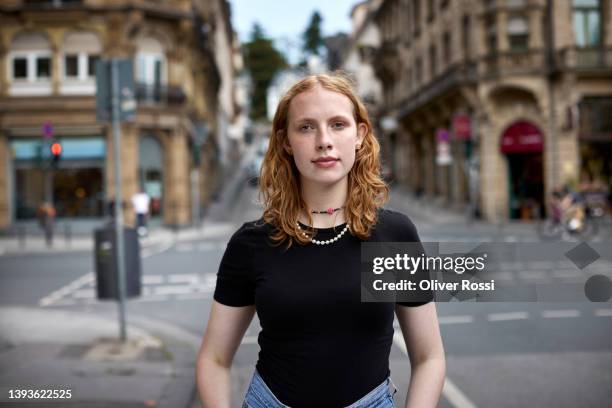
(513, 62)
(159, 95)
(453, 78)
(590, 61)
(387, 61)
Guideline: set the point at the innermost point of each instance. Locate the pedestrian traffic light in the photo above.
(56, 152)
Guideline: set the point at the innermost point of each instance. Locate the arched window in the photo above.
(30, 65)
(80, 52)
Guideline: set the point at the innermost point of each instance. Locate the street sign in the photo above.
(47, 130)
(462, 128)
(443, 153)
(127, 95)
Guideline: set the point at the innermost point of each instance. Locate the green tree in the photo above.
(263, 61)
(312, 37)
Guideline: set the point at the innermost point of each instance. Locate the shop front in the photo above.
(522, 144)
(74, 183)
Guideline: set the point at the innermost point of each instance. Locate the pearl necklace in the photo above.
(328, 241)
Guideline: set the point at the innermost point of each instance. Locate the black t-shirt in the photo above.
(320, 345)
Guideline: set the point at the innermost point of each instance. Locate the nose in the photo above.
(324, 140)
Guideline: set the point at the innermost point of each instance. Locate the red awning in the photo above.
(522, 137)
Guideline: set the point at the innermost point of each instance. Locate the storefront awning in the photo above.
(522, 137)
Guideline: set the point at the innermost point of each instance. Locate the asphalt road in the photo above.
(498, 354)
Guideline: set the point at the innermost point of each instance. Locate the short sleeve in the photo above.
(235, 281)
(408, 233)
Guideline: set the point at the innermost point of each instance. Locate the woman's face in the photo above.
(322, 135)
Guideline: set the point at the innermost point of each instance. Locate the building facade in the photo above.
(182, 53)
(497, 102)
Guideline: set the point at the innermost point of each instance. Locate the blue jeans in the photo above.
(259, 396)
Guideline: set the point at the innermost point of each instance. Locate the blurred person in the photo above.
(320, 345)
(141, 202)
(46, 219)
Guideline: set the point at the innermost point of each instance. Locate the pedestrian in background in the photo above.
(46, 219)
(323, 193)
(141, 202)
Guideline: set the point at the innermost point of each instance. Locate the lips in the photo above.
(325, 159)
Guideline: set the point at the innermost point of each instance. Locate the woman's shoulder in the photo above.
(396, 226)
(250, 232)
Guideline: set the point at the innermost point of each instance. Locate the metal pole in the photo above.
(118, 198)
(551, 75)
(195, 197)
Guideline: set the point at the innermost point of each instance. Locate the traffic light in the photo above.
(56, 152)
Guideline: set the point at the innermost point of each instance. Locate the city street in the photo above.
(498, 354)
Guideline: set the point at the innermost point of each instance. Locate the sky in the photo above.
(285, 20)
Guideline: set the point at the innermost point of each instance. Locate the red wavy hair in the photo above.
(279, 181)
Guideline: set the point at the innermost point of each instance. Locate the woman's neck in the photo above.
(321, 197)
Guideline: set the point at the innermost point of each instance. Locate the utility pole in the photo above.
(119, 247)
(551, 76)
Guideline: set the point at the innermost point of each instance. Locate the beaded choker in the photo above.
(329, 211)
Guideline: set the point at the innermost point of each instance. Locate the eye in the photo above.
(339, 125)
(305, 127)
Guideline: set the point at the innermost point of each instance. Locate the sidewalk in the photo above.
(64, 350)
(85, 243)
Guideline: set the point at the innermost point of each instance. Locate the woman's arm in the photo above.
(426, 352)
(224, 332)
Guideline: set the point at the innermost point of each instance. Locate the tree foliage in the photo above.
(312, 36)
(263, 61)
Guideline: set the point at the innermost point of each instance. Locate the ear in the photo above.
(362, 130)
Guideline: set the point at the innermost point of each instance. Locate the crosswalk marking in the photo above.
(560, 313)
(498, 317)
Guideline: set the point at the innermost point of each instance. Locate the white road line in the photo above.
(65, 290)
(452, 393)
(171, 290)
(540, 264)
(155, 251)
(566, 273)
(184, 278)
(152, 279)
(560, 313)
(249, 340)
(84, 294)
(603, 312)
(498, 317)
(192, 296)
(154, 298)
(455, 319)
(533, 275)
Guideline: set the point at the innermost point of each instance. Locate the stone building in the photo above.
(497, 101)
(182, 53)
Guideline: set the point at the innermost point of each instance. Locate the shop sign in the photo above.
(522, 137)
(462, 128)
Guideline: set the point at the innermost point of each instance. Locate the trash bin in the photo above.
(106, 265)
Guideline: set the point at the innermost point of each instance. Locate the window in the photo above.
(416, 14)
(433, 61)
(81, 50)
(446, 47)
(91, 65)
(43, 67)
(465, 35)
(518, 34)
(20, 68)
(491, 34)
(587, 22)
(150, 62)
(71, 65)
(430, 10)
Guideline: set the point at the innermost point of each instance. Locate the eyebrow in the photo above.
(307, 119)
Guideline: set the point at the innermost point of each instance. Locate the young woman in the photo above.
(298, 267)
